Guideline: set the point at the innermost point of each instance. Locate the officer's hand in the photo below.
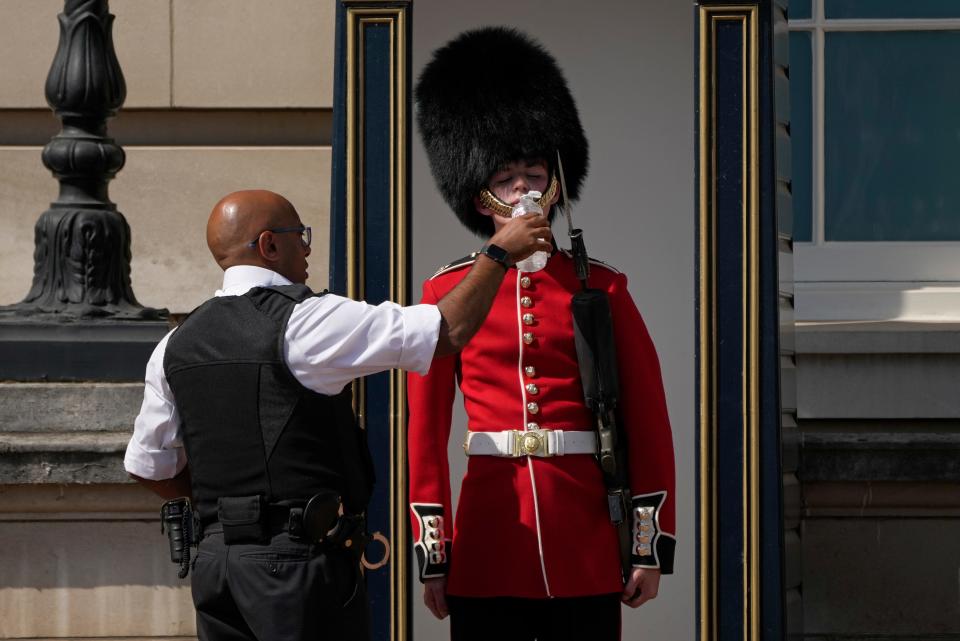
(524, 235)
(642, 586)
(435, 596)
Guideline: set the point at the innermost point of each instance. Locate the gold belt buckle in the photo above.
(532, 443)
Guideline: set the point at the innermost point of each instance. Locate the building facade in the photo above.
(877, 220)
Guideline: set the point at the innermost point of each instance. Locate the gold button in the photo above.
(530, 371)
(433, 521)
(533, 426)
(528, 319)
(528, 337)
(526, 301)
(433, 534)
(532, 388)
(524, 281)
(533, 408)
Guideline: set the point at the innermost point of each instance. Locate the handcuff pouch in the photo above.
(320, 515)
(242, 518)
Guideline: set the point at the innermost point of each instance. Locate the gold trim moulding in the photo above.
(360, 15)
(709, 17)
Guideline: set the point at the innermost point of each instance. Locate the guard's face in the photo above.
(517, 178)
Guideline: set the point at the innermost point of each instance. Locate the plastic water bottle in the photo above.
(528, 203)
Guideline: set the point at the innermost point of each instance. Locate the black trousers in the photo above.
(283, 590)
(593, 618)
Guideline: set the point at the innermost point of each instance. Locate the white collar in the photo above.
(240, 279)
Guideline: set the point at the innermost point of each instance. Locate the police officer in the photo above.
(533, 553)
(247, 409)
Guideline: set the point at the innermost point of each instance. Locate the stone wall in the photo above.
(880, 473)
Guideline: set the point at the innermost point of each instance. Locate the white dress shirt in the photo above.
(329, 341)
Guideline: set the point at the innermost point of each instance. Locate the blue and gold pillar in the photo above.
(369, 258)
(740, 533)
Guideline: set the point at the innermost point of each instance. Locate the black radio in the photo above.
(176, 519)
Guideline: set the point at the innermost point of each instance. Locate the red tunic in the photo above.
(537, 527)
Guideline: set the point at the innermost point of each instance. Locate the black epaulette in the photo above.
(460, 262)
(594, 261)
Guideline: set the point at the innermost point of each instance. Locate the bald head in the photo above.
(239, 218)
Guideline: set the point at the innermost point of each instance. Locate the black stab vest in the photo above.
(248, 426)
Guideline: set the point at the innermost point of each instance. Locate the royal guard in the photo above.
(532, 552)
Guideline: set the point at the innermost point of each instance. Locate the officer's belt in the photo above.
(276, 519)
(320, 519)
(516, 443)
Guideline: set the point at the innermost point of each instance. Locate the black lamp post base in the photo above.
(66, 313)
(82, 268)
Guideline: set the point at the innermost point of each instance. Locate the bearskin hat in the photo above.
(488, 97)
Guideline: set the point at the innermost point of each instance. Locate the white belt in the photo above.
(515, 443)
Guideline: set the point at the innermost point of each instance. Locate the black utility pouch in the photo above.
(242, 518)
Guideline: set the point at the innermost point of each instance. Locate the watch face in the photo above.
(496, 253)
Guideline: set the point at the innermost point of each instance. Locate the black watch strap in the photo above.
(496, 253)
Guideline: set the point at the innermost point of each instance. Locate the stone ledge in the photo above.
(48, 349)
(876, 499)
(52, 407)
(880, 456)
(878, 385)
(55, 442)
(93, 463)
(877, 337)
(92, 501)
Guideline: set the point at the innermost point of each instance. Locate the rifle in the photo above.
(597, 358)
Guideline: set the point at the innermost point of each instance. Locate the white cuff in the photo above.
(153, 465)
(421, 330)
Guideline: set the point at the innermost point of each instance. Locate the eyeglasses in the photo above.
(304, 231)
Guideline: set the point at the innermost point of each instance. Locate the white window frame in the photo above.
(867, 280)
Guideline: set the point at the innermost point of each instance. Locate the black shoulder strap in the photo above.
(275, 301)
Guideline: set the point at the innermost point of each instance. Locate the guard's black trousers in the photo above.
(281, 591)
(596, 618)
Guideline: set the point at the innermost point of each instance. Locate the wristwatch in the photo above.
(495, 253)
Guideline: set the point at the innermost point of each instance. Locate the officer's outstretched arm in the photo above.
(465, 307)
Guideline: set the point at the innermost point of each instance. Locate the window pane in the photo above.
(892, 136)
(799, 10)
(801, 134)
(891, 9)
